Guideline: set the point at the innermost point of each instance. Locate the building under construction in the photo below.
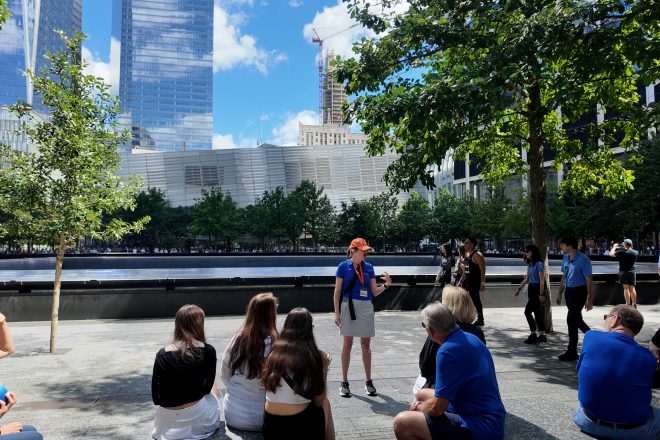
(332, 131)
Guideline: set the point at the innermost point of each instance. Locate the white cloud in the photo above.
(226, 141)
(231, 48)
(295, 3)
(339, 31)
(287, 132)
(108, 71)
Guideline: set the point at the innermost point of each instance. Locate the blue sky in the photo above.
(265, 78)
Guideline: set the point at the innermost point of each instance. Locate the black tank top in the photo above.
(474, 274)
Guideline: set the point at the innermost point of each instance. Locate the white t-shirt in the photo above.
(245, 398)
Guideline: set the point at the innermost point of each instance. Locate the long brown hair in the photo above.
(188, 327)
(295, 353)
(247, 353)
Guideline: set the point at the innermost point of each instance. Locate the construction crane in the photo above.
(317, 39)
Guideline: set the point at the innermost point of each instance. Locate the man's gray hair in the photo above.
(439, 318)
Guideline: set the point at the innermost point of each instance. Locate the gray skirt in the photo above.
(363, 326)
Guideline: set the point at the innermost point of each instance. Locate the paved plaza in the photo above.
(98, 385)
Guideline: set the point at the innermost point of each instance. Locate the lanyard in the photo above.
(359, 273)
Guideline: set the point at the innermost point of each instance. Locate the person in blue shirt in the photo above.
(466, 402)
(535, 281)
(579, 291)
(355, 286)
(615, 375)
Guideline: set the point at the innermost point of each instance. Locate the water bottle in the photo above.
(3, 391)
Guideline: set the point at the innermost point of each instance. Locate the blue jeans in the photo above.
(29, 433)
(649, 430)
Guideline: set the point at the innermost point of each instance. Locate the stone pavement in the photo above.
(98, 385)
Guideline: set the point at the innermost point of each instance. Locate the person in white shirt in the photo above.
(243, 361)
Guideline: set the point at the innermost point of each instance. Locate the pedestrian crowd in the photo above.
(276, 380)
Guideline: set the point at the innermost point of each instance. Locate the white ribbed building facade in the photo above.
(344, 172)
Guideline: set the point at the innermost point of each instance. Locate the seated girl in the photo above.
(183, 382)
(243, 361)
(295, 377)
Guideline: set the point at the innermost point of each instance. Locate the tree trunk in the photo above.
(55, 310)
(538, 190)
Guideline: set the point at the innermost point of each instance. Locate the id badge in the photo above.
(364, 293)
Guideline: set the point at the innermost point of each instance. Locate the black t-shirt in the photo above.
(177, 381)
(627, 259)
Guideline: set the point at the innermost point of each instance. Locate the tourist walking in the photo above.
(535, 282)
(447, 262)
(183, 382)
(355, 286)
(627, 256)
(475, 276)
(243, 361)
(579, 291)
(295, 379)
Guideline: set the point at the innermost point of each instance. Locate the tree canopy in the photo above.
(506, 83)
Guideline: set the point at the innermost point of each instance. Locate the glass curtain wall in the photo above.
(166, 72)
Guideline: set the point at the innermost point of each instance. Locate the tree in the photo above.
(61, 194)
(487, 79)
(385, 206)
(359, 219)
(316, 210)
(275, 211)
(4, 12)
(216, 216)
(256, 221)
(150, 203)
(413, 221)
(451, 216)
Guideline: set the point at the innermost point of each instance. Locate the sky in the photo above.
(264, 62)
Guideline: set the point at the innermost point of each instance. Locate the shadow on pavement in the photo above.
(517, 428)
(388, 406)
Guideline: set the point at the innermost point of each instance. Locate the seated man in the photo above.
(466, 402)
(614, 381)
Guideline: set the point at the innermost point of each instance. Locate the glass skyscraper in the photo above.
(27, 36)
(166, 72)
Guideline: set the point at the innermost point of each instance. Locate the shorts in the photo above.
(628, 277)
(306, 425)
(448, 426)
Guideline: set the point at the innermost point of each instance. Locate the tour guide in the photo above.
(355, 285)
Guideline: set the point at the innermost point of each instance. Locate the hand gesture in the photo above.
(414, 405)
(337, 320)
(386, 277)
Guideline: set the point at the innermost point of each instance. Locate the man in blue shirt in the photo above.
(579, 290)
(466, 402)
(614, 381)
